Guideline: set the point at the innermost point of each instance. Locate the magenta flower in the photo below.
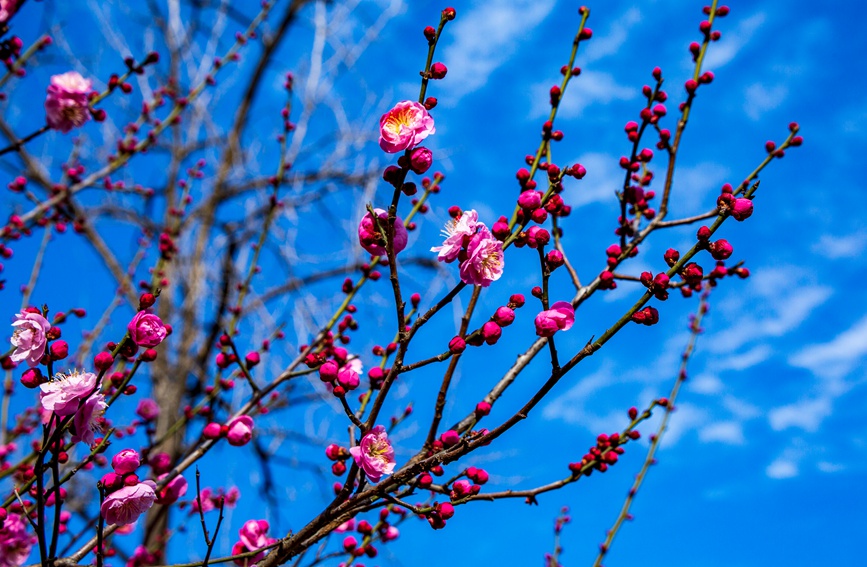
(29, 338)
(404, 126)
(420, 160)
(348, 378)
(374, 454)
(485, 259)
(742, 209)
(15, 542)
(560, 317)
(146, 329)
(125, 462)
(373, 240)
(172, 491)
(89, 419)
(240, 430)
(7, 10)
(456, 232)
(148, 409)
(66, 106)
(253, 536)
(125, 505)
(63, 394)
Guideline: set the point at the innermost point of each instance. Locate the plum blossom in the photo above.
(126, 504)
(126, 462)
(146, 329)
(173, 491)
(374, 454)
(373, 240)
(404, 126)
(147, 409)
(15, 542)
(7, 10)
(88, 419)
(66, 106)
(240, 430)
(63, 394)
(485, 259)
(29, 338)
(560, 317)
(253, 535)
(456, 231)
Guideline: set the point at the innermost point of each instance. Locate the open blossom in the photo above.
(254, 535)
(89, 419)
(15, 542)
(560, 317)
(374, 454)
(456, 231)
(485, 259)
(126, 504)
(240, 430)
(63, 394)
(7, 10)
(373, 240)
(173, 491)
(66, 106)
(146, 329)
(29, 338)
(404, 126)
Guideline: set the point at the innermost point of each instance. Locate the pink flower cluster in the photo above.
(374, 454)
(253, 535)
(479, 252)
(29, 338)
(404, 126)
(560, 317)
(66, 106)
(15, 542)
(128, 498)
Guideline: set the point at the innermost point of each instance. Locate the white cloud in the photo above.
(847, 246)
(693, 184)
(604, 177)
(610, 42)
(743, 361)
(728, 432)
(485, 37)
(707, 384)
(782, 468)
(829, 467)
(686, 418)
(759, 99)
(723, 51)
(836, 358)
(741, 409)
(806, 414)
(591, 87)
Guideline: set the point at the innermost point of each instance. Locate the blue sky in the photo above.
(765, 456)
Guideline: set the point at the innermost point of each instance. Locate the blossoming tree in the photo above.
(105, 439)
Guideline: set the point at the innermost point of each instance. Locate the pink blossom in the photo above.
(560, 317)
(346, 526)
(88, 419)
(253, 536)
(420, 160)
(125, 505)
(125, 462)
(348, 378)
(63, 394)
(485, 260)
(66, 106)
(148, 409)
(29, 338)
(172, 491)
(404, 126)
(456, 231)
(146, 329)
(373, 240)
(7, 10)
(374, 454)
(742, 209)
(15, 542)
(240, 430)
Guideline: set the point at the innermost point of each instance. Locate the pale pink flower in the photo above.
(346, 526)
(125, 505)
(404, 126)
(15, 542)
(7, 9)
(240, 430)
(374, 454)
(89, 419)
(560, 317)
(148, 409)
(29, 338)
(63, 394)
(456, 232)
(66, 106)
(373, 240)
(146, 329)
(253, 536)
(485, 259)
